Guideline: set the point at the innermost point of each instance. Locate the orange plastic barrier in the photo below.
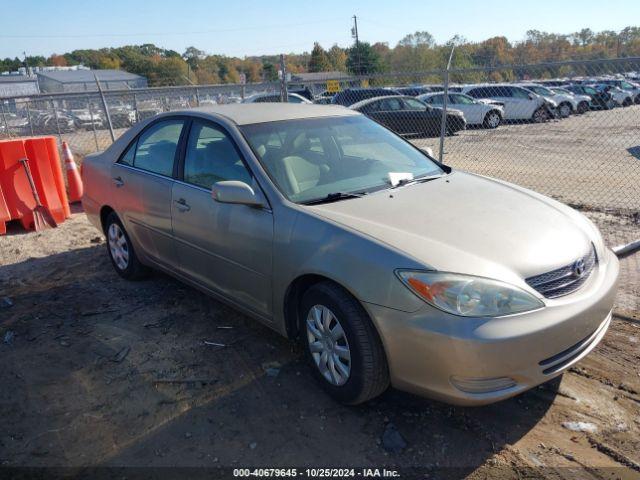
(4, 213)
(45, 166)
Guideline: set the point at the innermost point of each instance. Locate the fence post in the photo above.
(284, 95)
(4, 120)
(135, 108)
(93, 123)
(55, 115)
(106, 108)
(197, 97)
(445, 97)
(29, 118)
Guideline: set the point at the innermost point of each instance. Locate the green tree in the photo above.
(270, 72)
(319, 61)
(363, 59)
(418, 38)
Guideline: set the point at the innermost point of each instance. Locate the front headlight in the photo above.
(468, 296)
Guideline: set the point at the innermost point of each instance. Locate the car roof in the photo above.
(248, 113)
(362, 103)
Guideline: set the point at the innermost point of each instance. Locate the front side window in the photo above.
(413, 104)
(156, 147)
(436, 100)
(212, 157)
(460, 99)
(320, 156)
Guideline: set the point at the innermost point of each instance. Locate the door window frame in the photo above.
(179, 147)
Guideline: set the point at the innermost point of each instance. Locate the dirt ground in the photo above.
(100, 371)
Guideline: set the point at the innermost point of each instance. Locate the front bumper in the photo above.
(428, 348)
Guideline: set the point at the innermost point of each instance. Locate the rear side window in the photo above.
(155, 149)
(519, 92)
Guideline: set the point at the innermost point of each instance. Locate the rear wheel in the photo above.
(342, 345)
(627, 102)
(492, 119)
(121, 252)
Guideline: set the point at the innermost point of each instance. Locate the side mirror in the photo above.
(428, 151)
(532, 96)
(234, 191)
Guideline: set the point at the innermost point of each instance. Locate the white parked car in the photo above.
(567, 104)
(476, 112)
(623, 98)
(584, 101)
(632, 88)
(275, 98)
(519, 103)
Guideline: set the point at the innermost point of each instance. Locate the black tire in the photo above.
(134, 270)
(565, 110)
(540, 115)
(489, 122)
(369, 373)
(583, 107)
(627, 102)
(637, 100)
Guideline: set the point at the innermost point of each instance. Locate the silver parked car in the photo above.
(388, 266)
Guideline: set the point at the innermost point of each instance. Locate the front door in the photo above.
(227, 248)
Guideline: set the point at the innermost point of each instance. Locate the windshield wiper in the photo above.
(334, 197)
(410, 181)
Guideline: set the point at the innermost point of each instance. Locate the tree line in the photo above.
(416, 52)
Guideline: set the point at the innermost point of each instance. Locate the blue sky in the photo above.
(247, 27)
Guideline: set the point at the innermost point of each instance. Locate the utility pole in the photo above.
(26, 65)
(354, 34)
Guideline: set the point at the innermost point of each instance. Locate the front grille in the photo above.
(565, 280)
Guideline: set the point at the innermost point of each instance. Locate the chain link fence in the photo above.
(570, 130)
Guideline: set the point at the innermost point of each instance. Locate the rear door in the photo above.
(143, 180)
(381, 112)
(226, 248)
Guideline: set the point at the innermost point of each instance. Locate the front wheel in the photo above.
(341, 345)
(492, 120)
(627, 102)
(565, 110)
(540, 115)
(121, 252)
(583, 107)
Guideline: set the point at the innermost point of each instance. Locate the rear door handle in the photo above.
(118, 181)
(182, 205)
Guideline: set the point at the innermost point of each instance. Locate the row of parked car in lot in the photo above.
(417, 110)
(408, 110)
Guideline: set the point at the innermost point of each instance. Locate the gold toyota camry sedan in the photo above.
(389, 267)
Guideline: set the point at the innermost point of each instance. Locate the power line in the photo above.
(191, 32)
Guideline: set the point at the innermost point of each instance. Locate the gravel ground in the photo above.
(100, 371)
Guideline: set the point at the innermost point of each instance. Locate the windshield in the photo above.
(309, 159)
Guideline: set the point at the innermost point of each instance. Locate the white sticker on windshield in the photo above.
(396, 177)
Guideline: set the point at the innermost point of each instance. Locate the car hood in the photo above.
(468, 224)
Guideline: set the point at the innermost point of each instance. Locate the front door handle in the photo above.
(118, 181)
(182, 205)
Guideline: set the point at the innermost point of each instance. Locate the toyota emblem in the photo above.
(578, 268)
